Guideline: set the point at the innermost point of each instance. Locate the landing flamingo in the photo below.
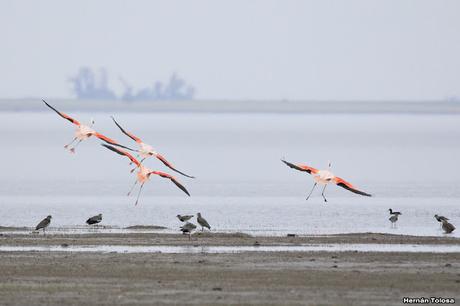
(143, 175)
(325, 177)
(146, 150)
(83, 132)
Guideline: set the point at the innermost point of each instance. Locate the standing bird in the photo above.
(188, 228)
(440, 219)
(82, 132)
(394, 212)
(146, 151)
(325, 177)
(43, 224)
(447, 227)
(144, 173)
(393, 220)
(184, 217)
(202, 221)
(94, 220)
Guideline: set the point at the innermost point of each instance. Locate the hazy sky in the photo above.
(236, 49)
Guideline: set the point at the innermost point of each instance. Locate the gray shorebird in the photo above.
(43, 224)
(188, 228)
(184, 218)
(393, 220)
(394, 212)
(447, 227)
(202, 221)
(94, 220)
(440, 219)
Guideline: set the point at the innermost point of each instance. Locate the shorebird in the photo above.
(144, 173)
(146, 151)
(447, 227)
(43, 224)
(202, 221)
(325, 177)
(94, 220)
(394, 212)
(184, 217)
(393, 220)
(188, 228)
(440, 218)
(82, 132)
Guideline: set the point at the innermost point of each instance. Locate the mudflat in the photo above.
(264, 278)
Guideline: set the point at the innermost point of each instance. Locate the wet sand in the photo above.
(276, 278)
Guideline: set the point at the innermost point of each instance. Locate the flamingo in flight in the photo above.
(82, 132)
(146, 151)
(325, 177)
(144, 173)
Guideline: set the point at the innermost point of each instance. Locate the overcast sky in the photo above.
(234, 49)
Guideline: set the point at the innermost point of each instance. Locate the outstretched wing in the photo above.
(136, 139)
(170, 166)
(301, 167)
(62, 114)
(121, 152)
(344, 184)
(112, 142)
(172, 178)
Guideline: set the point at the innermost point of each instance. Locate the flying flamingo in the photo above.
(325, 177)
(83, 132)
(143, 175)
(146, 151)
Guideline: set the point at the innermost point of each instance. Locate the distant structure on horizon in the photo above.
(87, 86)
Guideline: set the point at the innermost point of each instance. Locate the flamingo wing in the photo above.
(344, 184)
(112, 142)
(121, 152)
(136, 139)
(172, 178)
(62, 114)
(170, 166)
(301, 167)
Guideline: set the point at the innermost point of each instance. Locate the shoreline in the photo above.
(244, 278)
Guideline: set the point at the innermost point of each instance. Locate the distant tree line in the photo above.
(87, 85)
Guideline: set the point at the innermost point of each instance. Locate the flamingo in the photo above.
(83, 132)
(146, 151)
(144, 173)
(325, 177)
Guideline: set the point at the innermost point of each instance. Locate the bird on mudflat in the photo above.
(202, 221)
(43, 224)
(94, 220)
(393, 219)
(188, 228)
(447, 227)
(440, 219)
(184, 218)
(325, 177)
(394, 212)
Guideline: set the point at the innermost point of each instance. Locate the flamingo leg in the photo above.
(140, 189)
(75, 146)
(131, 190)
(322, 193)
(67, 145)
(311, 191)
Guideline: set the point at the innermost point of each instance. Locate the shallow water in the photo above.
(409, 162)
(386, 248)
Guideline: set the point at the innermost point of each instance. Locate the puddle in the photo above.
(411, 248)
